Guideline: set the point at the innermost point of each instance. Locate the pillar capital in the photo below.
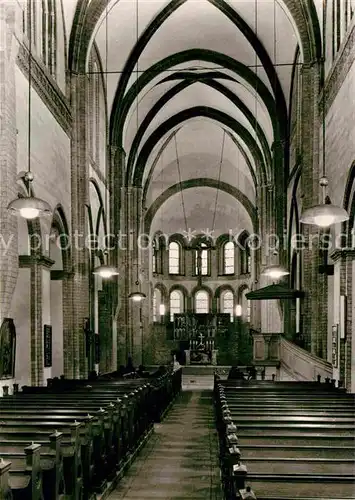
(39, 260)
(342, 254)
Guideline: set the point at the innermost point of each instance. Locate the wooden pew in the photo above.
(92, 434)
(280, 435)
(293, 486)
(119, 422)
(250, 450)
(54, 414)
(101, 423)
(25, 474)
(52, 407)
(70, 448)
(128, 407)
(51, 462)
(299, 465)
(5, 489)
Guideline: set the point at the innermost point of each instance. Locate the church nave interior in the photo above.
(177, 188)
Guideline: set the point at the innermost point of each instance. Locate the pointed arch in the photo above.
(349, 205)
(136, 177)
(198, 182)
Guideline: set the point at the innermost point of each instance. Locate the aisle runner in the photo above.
(180, 461)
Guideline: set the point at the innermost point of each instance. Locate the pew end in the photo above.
(5, 490)
(247, 494)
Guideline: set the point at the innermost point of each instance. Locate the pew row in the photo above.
(288, 440)
(75, 439)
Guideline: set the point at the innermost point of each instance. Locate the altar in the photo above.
(201, 351)
(197, 358)
(199, 336)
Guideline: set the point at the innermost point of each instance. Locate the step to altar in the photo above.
(204, 369)
(199, 378)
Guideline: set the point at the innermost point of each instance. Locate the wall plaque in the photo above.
(7, 348)
(97, 348)
(335, 336)
(47, 346)
(87, 336)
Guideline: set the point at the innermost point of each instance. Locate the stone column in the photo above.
(39, 265)
(36, 324)
(138, 274)
(279, 198)
(269, 316)
(75, 362)
(314, 305)
(345, 266)
(215, 263)
(257, 256)
(280, 225)
(8, 157)
(117, 161)
(125, 272)
(131, 224)
(145, 332)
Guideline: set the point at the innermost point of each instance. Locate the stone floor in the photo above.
(180, 460)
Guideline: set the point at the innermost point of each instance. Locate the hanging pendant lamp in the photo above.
(29, 207)
(105, 271)
(137, 295)
(275, 271)
(326, 214)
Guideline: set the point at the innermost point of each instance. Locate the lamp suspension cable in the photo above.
(180, 182)
(274, 271)
(323, 96)
(137, 125)
(274, 29)
(106, 127)
(256, 71)
(29, 121)
(256, 78)
(284, 216)
(138, 295)
(162, 186)
(274, 90)
(219, 181)
(325, 214)
(29, 207)
(256, 23)
(106, 271)
(137, 67)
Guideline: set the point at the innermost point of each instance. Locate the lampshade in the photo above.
(105, 271)
(29, 207)
(238, 310)
(275, 271)
(137, 296)
(162, 309)
(324, 215)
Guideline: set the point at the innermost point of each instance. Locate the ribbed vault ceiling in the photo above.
(199, 89)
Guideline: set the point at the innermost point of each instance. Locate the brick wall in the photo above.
(8, 140)
(340, 154)
(50, 163)
(8, 144)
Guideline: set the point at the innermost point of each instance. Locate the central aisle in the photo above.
(181, 459)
